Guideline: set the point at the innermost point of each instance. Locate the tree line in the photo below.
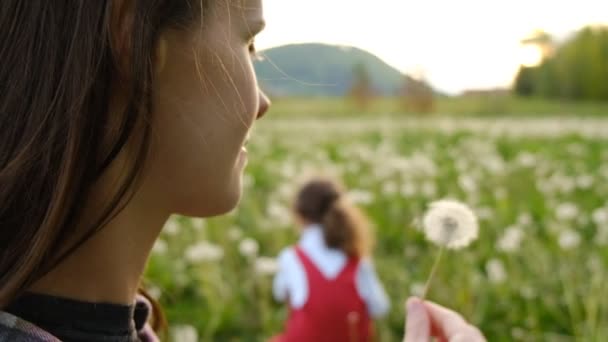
(576, 70)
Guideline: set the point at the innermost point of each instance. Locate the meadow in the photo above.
(539, 185)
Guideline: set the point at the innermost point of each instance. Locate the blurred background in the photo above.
(500, 104)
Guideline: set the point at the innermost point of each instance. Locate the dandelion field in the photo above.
(538, 272)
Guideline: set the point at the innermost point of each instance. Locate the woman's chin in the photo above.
(215, 205)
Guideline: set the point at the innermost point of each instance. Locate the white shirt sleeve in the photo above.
(280, 284)
(290, 283)
(371, 289)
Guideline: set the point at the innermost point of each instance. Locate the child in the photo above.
(328, 279)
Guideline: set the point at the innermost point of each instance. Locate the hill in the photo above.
(322, 70)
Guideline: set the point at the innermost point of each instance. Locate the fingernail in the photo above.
(414, 305)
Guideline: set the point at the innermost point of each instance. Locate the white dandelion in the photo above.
(600, 216)
(569, 239)
(511, 239)
(360, 196)
(184, 333)
(266, 266)
(171, 227)
(249, 247)
(496, 271)
(160, 247)
(197, 223)
(235, 233)
(204, 251)
(450, 224)
(566, 211)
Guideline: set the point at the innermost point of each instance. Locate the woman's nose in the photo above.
(264, 104)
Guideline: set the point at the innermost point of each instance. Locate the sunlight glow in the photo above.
(461, 44)
(530, 55)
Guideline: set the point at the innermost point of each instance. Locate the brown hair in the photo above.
(345, 227)
(61, 63)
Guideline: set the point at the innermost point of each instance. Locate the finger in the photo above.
(417, 323)
(471, 335)
(451, 325)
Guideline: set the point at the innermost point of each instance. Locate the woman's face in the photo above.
(206, 101)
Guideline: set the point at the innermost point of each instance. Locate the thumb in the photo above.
(417, 322)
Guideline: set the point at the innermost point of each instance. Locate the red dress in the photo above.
(333, 312)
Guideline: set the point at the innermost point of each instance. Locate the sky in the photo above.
(455, 44)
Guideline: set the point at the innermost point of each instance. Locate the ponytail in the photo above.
(345, 227)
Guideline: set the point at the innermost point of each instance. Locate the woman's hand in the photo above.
(425, 320)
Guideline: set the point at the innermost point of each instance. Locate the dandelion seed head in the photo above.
(511, 239)
(451, 224)
(204, 251)
(569, 239)
(266, 266)
(249, 247)
(496, 271)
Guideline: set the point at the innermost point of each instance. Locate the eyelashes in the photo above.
(255, 55)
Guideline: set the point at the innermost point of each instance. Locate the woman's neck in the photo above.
(108, 267)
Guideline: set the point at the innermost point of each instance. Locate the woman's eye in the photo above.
(254, 53)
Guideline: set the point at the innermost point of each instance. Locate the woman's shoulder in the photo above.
(15, 329)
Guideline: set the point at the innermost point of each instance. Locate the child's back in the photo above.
(332, 294)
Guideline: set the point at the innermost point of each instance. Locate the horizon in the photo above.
(481, 39)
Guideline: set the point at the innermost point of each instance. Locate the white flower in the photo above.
(566, 211)
(171, 227)
(279, 213)
(467, 183)
(451, 224)
(601, 236)
(600, 216)
(584, 181)
(249, 247)
(496, 271)
(204, 251)
(266, 266)
(154, 291)
(569, 239)
(485, 213)
(526, 159)
(360, 196)
(197, 223)
(511, 239)
(235, 233)
(528, 292)
(160, 247)
(524, 219)
(184, 333)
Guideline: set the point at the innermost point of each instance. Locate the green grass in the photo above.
(459, 106)
(553, 289)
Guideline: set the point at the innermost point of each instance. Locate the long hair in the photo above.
(345, 227)
(60, 64)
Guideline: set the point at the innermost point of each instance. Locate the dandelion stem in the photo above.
(433, 271)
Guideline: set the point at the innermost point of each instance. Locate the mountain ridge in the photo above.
(315, 69)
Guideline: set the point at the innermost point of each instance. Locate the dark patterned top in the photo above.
(42, 318)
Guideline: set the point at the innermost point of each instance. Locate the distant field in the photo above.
(462, 106)
(539, 271)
